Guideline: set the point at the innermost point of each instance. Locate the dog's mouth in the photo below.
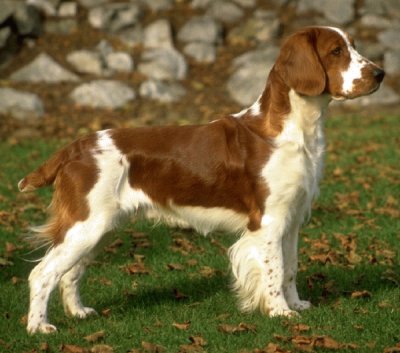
(346, 97)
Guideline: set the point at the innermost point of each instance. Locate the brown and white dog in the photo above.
(255, 172)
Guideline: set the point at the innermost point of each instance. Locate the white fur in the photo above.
(265, 262)
(254, 109)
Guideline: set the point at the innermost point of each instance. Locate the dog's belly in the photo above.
(203, 220)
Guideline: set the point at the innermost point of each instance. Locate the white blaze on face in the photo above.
(354, 70)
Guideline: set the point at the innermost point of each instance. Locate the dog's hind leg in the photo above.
(72, 253)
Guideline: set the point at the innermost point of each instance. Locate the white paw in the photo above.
(300, 305)
(83, 313)
(283, 312)
(43, 327)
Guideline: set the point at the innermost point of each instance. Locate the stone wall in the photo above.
(168, 46)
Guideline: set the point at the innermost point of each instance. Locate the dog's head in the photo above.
(318, 60)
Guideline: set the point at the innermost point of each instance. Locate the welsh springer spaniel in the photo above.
(255, 172)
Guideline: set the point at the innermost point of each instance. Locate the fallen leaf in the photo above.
(102, 348)
(44, 347)
(360, 294)
(175, 267)
(137, 268)
(152, 348)
(71, 348)
(106, 312)
(234, 329)
(207, 272)
(95, 337)
(395, 349)
(298, 328)
(181, 326)
(113, 247)
(198, 341)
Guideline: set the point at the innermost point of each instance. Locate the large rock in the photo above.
(263, 27)
(201, 52)
(158, 34)
(86, 62)
(28, 20)
(115, 16)
(340, 11)
(44, 69)
(119, 62)
(201, 29)
(391, 62)
(390, 38)
(164, 92)
(158, 5)
(225, 11)
(252, 69)
(103, 94)
(163, 64)
(19, 104)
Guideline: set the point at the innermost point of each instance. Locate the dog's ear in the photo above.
(300, 66)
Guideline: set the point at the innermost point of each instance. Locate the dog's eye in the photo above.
(337, 51)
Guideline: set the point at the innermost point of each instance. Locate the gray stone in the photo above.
(115, 16)
(390, 38)
(384, 96)
(49, 7)
(158, 5)
(201, 52)
(200, 4)
(247, 83)
(20, 105)
(225, 11)
(68, 9)
(373, 7)
(28, 21)
(246, 3)
(201, 29)
(163, 64)
(370, 20)
(262, 28)
(102, 94)
(86, 62)
(339, 11)
(372, 51)
(162, 91)
(7, 8)
(92, 3)
(158, 34)
(4, 36)
(132, 36)
(251, 71)
(119, 62)
(264, 56)
(43, 69)
(104, 48)
(391, 62)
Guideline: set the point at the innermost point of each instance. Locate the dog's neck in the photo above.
(277, 104)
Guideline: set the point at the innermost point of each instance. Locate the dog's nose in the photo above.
(379, 74)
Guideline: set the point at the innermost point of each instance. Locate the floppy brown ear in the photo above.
(299, 65)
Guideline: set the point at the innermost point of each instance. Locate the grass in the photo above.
(349, 266)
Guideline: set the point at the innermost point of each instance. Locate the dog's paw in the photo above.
(83, 313)
(43, 327)
(301, 305)
(283, 312)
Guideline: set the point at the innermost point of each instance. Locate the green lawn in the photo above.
(349, 266)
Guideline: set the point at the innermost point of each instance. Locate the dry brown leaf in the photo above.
(44, 347)
(273, 348)
(71, 348)
(395, 349)
(113, 247)
(181, 326)
(152, 348)
(175, 267)
(361, 294)
(102, 348)
(198, 341)
(95, 337)
(298, 328)
(137, 268)
(106, 312)
(234, 329)
(207, 272)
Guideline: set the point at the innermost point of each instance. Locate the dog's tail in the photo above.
(45, 174)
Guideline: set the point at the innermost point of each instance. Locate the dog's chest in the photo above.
(295, 167)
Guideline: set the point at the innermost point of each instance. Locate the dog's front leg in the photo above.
(258, 268)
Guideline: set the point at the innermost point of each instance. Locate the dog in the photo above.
(254, 173)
